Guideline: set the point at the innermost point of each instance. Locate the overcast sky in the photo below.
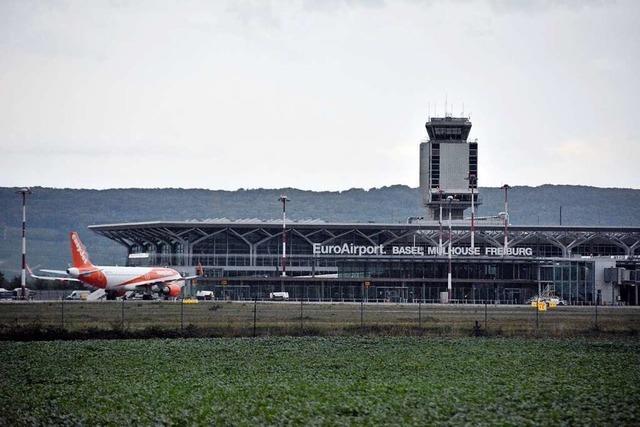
(321, 95)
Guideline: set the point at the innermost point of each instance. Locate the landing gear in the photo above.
(111, 296)
(147, 297)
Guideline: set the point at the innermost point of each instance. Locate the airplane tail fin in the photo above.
(79, 254)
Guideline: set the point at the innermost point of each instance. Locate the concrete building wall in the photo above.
(454, 166)
(609, 291)
(425, 172)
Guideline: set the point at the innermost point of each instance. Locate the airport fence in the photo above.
(256, 318)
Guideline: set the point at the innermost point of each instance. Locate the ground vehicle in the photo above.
(556, 300)
(205, 295)
(549, 300)
(117, 281)
(78, 295)
(279, 296)
(140, 296)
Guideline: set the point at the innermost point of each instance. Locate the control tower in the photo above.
(448, 167)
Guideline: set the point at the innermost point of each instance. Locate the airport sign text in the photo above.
(365, 250)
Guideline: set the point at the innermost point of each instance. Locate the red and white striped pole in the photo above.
(23, 277)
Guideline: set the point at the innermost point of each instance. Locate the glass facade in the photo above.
(398, 262)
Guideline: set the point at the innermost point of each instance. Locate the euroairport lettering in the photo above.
(347, 249)
(363, 250)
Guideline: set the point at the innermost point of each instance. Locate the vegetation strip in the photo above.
(165, 319)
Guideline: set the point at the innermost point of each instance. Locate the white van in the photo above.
(205, 295)
(279, 296)
(78, 295)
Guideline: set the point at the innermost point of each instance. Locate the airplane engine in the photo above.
(73, 271)
(171, 290)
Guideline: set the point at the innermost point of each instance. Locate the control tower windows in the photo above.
(473, 164)
(435, 165)
(448, 133)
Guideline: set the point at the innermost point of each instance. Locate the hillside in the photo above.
(52, 213)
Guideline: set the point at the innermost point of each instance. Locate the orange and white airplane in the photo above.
(117, 281)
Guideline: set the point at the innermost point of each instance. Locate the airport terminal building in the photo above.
(392, 262)
(487, 259)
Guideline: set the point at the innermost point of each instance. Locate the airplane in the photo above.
(117, 281)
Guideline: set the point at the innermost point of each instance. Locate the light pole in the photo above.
(440, 223)
(284, 201)
(449, 284)
(472, 184)
(506, 188)
(23, 277)
(410, 221)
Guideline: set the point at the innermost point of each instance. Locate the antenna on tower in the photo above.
(429, 110)
(462, 109)
(446, 96)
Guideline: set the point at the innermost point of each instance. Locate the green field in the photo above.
(321, 381)
(216, 318)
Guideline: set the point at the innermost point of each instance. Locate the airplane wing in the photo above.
(160, 281)
(54, 271)
(86, 273)
(61, 279)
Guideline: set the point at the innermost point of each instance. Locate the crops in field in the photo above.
(321, 381)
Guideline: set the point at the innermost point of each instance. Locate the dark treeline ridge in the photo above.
(52, 213)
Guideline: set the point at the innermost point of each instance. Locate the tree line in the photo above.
(52, 213)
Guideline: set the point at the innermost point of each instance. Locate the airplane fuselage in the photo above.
(116, 281)
(123, 278)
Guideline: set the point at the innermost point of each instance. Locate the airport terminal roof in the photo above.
(564, 237)
(457, 224)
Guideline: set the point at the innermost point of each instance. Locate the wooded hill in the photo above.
(52, 213)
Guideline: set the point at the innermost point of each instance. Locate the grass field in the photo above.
(214, 318)
(321, 381)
